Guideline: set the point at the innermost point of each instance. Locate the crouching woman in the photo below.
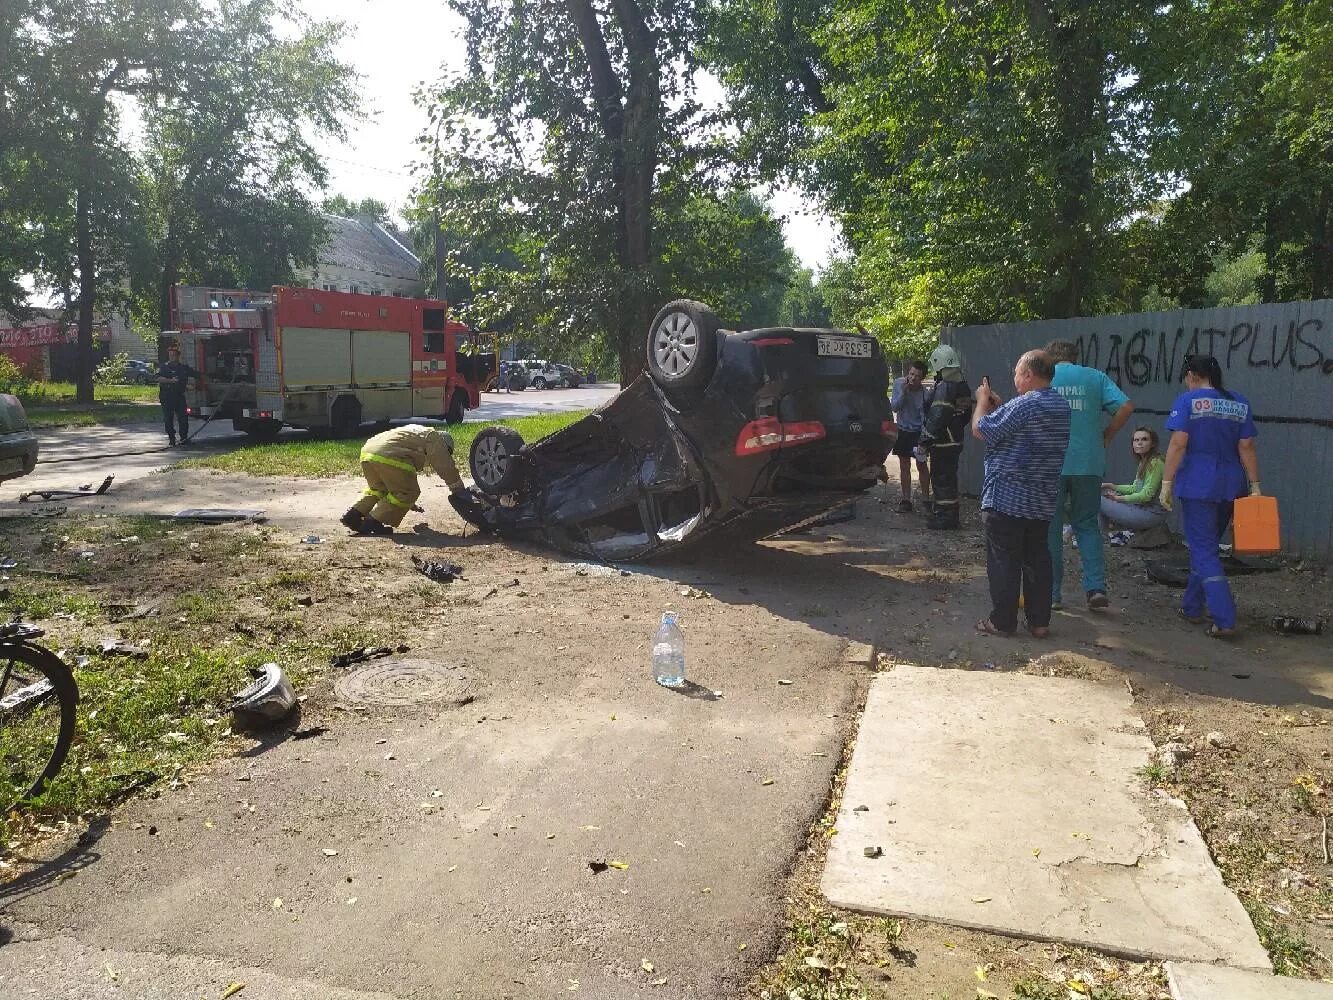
(1136, 506)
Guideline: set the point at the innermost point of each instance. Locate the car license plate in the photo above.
(843, 347)
(8, 465)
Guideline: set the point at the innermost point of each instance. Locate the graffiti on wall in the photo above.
(1147, 355)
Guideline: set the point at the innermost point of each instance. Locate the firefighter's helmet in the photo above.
(944, 357)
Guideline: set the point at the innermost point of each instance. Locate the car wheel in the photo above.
(494, 469)
(345, 417)
(682, 345)
(539, 383)
(516, 384)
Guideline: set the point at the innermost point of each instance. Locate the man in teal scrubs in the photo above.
(1090, 393)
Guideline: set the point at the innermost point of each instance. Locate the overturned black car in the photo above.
(744, 434)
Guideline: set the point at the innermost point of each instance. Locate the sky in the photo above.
(398, 45)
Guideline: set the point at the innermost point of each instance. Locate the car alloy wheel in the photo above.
(676, 344)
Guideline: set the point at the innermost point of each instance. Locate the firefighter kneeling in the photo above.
(390, 462)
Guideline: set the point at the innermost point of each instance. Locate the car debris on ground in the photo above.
(269, 699)
(74, 494)
(362, 653)
(440, 572)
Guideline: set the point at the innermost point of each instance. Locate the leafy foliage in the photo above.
(226, 93)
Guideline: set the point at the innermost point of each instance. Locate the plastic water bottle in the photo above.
(669, 653)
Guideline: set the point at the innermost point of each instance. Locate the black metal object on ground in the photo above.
(82, 491)
(440, 572)
(729, 435)
(217, 515)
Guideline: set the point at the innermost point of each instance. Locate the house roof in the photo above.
(365, 245)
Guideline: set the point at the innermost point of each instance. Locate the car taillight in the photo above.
(802, 433)
(888, 428)
(772, 341)
(763, 434)
(768, 433)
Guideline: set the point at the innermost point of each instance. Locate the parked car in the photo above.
(18, 444)
(753, 432)
(511, 374)
(543, 374)
(569, 377)
(140, 372)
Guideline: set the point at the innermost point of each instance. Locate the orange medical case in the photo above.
(1255, 526)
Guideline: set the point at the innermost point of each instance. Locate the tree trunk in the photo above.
(83, 230)
(1321, 248)
(631, 117)
(83, 235)
(1078, 56)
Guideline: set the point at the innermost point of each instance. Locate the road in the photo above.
(78, 456)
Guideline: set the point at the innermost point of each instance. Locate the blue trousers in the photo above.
(1083, 495)
(1203, 522)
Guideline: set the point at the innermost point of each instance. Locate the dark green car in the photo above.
(18, 444)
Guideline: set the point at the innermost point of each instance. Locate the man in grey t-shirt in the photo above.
(909, 411)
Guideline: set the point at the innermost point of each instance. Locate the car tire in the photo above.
(539, 383)
(682, 346)
(491, 459)
(345, 417)
(516, 384)
(261, 430)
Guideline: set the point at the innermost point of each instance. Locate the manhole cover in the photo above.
(405, 682)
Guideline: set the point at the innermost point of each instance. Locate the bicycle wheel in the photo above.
(37, 702)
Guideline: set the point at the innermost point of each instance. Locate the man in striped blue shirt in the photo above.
(1025, 441)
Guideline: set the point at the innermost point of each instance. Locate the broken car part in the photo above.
(269, 699)
(82, 491)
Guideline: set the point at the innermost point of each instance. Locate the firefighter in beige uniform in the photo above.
(390, 462)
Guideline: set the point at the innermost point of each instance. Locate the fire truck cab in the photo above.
(325, 360)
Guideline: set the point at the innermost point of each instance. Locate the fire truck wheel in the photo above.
(492, 459)
(457, 408)
(345, 417)
(263, 430)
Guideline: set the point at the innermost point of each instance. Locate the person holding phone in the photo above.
(1025, 439)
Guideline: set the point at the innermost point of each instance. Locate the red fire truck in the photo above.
(325, 360)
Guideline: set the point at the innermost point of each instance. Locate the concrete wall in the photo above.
(1278, 356)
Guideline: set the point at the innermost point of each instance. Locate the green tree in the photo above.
(565, 125)
(349, 208)
(89, 208)
(228, 159)
(1241, 94)
(983, 159)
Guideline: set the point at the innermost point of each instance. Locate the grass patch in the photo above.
(55, 404)
(39, 601)
(1291, 954)
(91, 416)
(58, 393)
(322, 459)
(1155, 774)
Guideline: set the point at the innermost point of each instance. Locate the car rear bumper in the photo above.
(18, 454)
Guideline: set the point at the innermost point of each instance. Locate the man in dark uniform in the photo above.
(948, 410)
(171, 379)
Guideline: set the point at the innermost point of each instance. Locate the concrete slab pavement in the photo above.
(1011, 803)
(1191, 981)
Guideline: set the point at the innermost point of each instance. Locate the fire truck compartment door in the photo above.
(316, 359)
(381, 358)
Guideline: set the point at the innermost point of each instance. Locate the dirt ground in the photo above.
(556, 729)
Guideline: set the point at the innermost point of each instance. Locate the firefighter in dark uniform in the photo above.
(171, 380)
(948, 410)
